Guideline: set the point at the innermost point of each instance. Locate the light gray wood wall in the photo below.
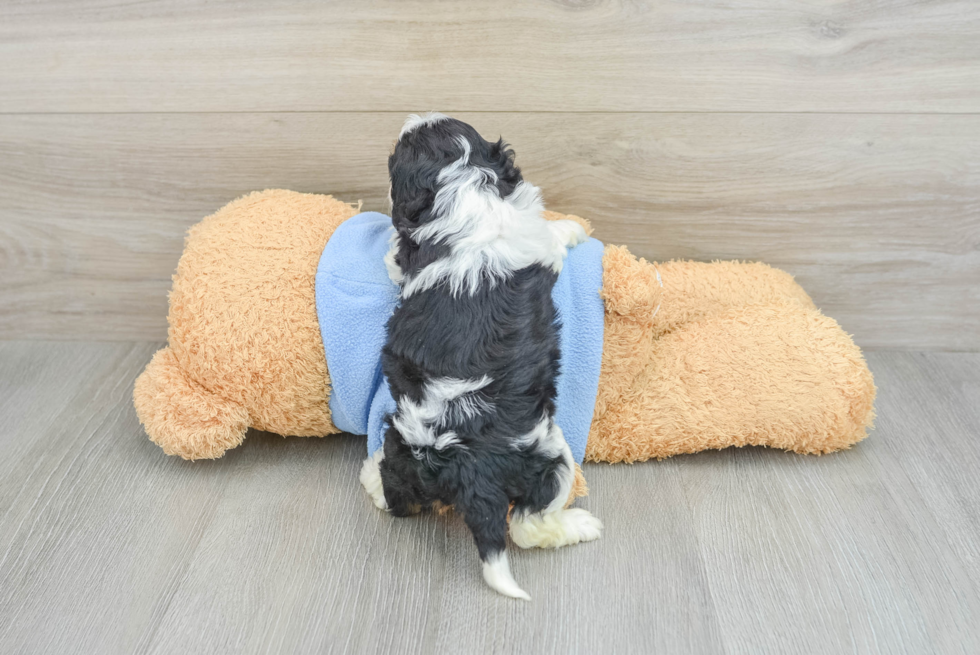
(837, 140)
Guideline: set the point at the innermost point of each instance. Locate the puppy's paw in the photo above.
(578, 235)
(570, 233)
(556, 529)
(583, 525)
(371, 479)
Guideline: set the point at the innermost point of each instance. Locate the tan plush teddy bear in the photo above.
(694, 355)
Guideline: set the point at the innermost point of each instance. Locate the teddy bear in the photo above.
(694, 355)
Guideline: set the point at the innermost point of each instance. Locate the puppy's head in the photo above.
(433, 151)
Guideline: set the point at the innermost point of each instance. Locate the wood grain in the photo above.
(877, 216)
(846, 533)
(562, 55)
(108, 546)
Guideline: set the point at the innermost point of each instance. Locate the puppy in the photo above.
(473, 350)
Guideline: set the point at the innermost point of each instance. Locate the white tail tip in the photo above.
(496, 572)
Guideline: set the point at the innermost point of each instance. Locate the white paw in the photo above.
(371, 479)
(578, 235)
(555, 529)
(570, 233)
(584, 525)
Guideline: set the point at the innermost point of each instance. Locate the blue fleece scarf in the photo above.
(355, 297)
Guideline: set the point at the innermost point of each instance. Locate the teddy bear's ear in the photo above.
(631, 288)
(181, 416)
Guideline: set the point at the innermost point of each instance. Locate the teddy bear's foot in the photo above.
(181, 416)
(371, 479)
(555, 529)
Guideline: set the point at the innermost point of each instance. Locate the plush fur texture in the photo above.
(735, 355)
(244, 347)
(722, 354)
(473, 349)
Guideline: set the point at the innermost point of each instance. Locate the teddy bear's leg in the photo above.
(632, 292)
(670, 294)
(783, 376)
(183, 417)
(693, 291)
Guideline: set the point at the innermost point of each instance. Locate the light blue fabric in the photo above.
(582, 314)
(355, 297)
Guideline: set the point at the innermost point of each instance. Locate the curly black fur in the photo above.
(506, 330)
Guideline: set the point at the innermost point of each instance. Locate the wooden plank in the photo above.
(275, 547)
(373, 55)
(945, 389)
(847, 535)
(877, 216)
(71, 552)
(106, 545)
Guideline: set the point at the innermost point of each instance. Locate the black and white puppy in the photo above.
(473, 349)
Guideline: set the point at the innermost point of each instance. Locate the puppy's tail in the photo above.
(496, 571)
(485, 512)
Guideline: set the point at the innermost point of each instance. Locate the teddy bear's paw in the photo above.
(371, 479)
(555, 529)
(631, 287)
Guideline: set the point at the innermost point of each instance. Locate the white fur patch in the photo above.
(371, 478)
(547, 439)
(489, 237)
(555, 529)
(415, 121)
(566, 478)
(394, 270)
(444, 400)
(496, 571)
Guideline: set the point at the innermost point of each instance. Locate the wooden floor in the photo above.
(108, 546)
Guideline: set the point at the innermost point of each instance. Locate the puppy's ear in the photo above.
(411, 208)
(413, 189)
(501, 160)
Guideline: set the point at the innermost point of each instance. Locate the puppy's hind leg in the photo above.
(371, 478)
(562, 527)
(486, 516)
(555, 526)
